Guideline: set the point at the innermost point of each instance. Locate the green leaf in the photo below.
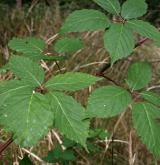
(112, 6)
(25, 161)
(58, 155)
(145, 29)
(139, 75)
(108, 101)
(29, 46)
(68, 155)
(68, 45)
(54, 58)
(85, 20)
(54, 156)
(9, 87)
(146, 120)
(133, 9)
(93, 148)
(119, 41)
(26, 114)
(71, 81)
(69, 117)
(68, 143)
(102, 134)
(27, 70)
(151, 97)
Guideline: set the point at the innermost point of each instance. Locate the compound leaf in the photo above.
(85, 20)
(68, 45)
(108, 101)
(27, 70)
(119, 41)
(26, 114)
(139, 75)
(146, 120)
(71, 81)
(112, 6)
(69, 117)
(151, 97)
(133, 9)
(145, 29)
(29, 46)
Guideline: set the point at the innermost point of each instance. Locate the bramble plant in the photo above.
(30, 104)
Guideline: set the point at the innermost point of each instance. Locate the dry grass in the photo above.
(44, 22)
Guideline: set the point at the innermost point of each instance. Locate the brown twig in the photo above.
(108, 78)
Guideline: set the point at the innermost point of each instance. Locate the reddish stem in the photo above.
(5, 145)
(141, 42)
(106, 66)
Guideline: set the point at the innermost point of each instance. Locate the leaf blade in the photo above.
(145, 29)
(31, 47)
(27, 70)
(68, 45)
(133, 9)
(69, 117)
(139, 75)
(145, 118)
(71, 81)
(119, 41)
(151, 97)
(85, 20)
(108, 101)
(112, 6)
(27, 115)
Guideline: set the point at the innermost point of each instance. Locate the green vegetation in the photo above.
(38, 102)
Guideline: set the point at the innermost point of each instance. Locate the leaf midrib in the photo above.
(119, 39)
(33, 76)
(12, 90)
(28, 112)
(114, 8)
(150, 125)
(63, 111)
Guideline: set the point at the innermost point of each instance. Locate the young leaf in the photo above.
(69, 117)
(145, 29)
(108, 101)
(119, 41)
(133, 9)
(139, 75)
(27, 115)
(71, 81)
(146, 120)
(85, 20)
(68, 45)
(151, 97)
(112, 6)
(29, 46)
(27, 70)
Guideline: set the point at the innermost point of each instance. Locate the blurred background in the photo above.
(30, 17)
(43, 19)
